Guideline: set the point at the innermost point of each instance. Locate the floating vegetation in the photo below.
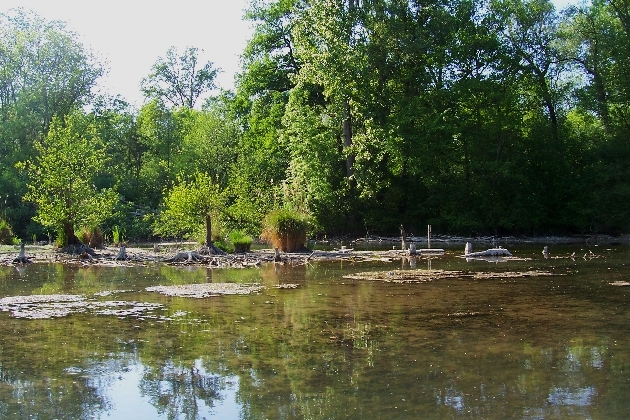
(423, 276)
(287, 286)
(512, 274)
(464, 314)
(620, 283)
(111, 292)
(58, 306)
(204, 290)
(407, 276)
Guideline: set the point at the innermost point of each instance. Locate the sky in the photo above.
(128, 36)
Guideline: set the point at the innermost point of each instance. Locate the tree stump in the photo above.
(122, 254)
(21, 258)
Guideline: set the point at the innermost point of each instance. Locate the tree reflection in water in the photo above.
(333, 348)
(177, 390)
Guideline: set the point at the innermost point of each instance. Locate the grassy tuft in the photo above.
(92, 237)
(242, 242)
(286, 230)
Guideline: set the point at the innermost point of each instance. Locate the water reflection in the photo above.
(334, 348)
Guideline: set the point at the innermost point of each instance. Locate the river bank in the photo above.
(365, 249)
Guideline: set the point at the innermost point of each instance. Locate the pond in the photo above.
(333, 348)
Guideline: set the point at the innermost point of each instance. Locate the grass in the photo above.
(286, 230)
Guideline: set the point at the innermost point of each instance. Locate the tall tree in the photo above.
(178, 80)
(62, 178)
(45, 72)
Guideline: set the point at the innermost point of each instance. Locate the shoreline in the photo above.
(322, 250)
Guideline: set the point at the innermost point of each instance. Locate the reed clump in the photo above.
(286, 230)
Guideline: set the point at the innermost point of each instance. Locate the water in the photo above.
(527, 348)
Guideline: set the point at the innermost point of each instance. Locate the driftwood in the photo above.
(186, 256)
(78, 249)
(21, 258)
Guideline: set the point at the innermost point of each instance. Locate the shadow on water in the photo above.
(528, 347)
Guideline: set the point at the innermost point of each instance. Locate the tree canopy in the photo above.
(178, 80)
(62, 178)
(493, 116)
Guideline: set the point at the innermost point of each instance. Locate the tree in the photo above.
(45, 72)
(177, 80)
(62, 178)
(188, 206)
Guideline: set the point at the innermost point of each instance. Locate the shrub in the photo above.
(6, 233)
(242, 242)
(223, 246)
(286, 230)
(116, 236)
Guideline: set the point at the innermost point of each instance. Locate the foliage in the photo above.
(241, 241)
(45, 72)
(93, 237)
(224, 245)
(6, 233)
(286, 229)
(475, 117)
(116, 235)
(61, 178)
(188, 206)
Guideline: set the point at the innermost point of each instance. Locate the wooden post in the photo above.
(429, 236)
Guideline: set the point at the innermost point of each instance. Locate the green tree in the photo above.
(178, 80)
(189, 206)
(45, 72)
(62, 178)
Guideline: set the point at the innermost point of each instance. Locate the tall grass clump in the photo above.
(286, 230)
(242, 242)
(116, 236)
(92, 237)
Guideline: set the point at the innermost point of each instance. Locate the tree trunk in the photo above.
(208, 231)
(347, 140)
(69, 237)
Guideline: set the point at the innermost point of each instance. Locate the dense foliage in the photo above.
(473, 116)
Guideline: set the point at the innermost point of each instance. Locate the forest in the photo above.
(477, 117)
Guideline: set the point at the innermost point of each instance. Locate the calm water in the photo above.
(537, 347)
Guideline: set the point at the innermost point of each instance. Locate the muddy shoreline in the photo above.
(338, 249)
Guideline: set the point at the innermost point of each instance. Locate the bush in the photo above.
(241, 241)
(6, 233)
(286, 230)
(223, 246)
